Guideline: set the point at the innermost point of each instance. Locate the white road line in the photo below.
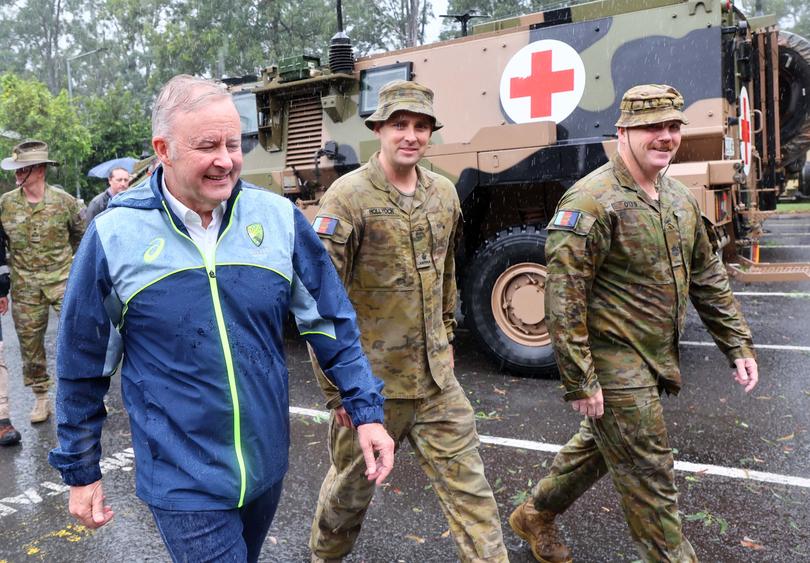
(772, 294)
(766, 246)
(757, 346)
(703, 469)
(785, 234)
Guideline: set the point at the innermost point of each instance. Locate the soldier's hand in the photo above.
(373, 438)
(593, 406)
(3, 305)
(86, 504)
(342, 418)
(747, 373)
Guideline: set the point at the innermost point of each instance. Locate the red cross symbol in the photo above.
(541, 84)
(745, 129)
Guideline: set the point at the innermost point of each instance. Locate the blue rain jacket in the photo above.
(200, 345)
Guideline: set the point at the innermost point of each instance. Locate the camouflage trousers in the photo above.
(4, 408)
(30, 312)
(441, 430)
(631, 443)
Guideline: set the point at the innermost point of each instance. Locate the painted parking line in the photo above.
(32, 496)
(785, 234)
(701, 468)
(783, 347)
(772, 294)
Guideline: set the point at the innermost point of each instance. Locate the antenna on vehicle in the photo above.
(341, 54)
(464, 19)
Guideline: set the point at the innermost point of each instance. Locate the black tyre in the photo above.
(503, 295)
(804, 180)
(794, 96)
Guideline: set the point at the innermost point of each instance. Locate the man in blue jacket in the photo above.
(186, 281)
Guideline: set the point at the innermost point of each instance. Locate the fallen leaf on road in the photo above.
(446, 533)
(786, 438)
(499, 391)
(414, 538)
(751, 544)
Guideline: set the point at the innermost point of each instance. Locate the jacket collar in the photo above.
(626, 180)
(424, 183)
(149, 195)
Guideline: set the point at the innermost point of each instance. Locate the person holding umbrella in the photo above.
(42, 229)
(118, 179)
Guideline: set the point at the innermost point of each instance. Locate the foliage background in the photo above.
(121, 51)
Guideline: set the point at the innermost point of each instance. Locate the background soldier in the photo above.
(389, 228)
(8, 434)
(118, 180)
(625, 249)
(42, 230)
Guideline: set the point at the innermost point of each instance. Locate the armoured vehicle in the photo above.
(528, 106)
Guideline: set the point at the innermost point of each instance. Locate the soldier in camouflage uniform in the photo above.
(625, 249)
(42, 230)
(389, 227)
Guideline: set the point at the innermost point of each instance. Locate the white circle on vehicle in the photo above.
(543, 81)
(746, 127)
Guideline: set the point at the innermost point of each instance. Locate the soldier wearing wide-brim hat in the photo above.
(28, 153)
(390, 227)
(626, 251)
(403, 95)
(650, 104)
(42, 229)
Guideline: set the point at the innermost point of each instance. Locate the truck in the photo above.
(528, 106)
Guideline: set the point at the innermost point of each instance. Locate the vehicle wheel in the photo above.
(794, 95)
(804, 180)
(503, 296)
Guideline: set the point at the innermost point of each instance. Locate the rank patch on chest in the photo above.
(566, 219)
(325, 225)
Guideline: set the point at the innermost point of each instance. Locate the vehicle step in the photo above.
(748, 271)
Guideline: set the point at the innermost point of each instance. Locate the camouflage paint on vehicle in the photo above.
(528, 106)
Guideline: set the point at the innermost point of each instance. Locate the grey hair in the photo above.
(182, 93)
(110, 173)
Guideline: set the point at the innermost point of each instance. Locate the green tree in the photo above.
(386, 24)
(29, 109)
(118, 125)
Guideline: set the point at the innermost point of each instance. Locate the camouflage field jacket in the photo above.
(41, 238)
(620, 268)
(399, 270)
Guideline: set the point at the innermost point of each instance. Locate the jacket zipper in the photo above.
(226, 350)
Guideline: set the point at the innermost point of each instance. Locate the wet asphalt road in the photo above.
(711, 422)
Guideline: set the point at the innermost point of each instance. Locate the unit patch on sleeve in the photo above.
(566, 220)
(325, 225)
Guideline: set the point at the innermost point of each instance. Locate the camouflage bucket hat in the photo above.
(649, 104)
(402, 95)
(27, 153)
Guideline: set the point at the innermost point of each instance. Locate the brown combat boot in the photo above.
(540, 531)
(8, 434)
(42, 408)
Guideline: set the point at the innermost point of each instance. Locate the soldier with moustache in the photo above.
(626, 248)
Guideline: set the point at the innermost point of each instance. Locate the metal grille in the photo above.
(304, 131)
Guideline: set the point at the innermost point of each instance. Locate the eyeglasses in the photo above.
(25, 170)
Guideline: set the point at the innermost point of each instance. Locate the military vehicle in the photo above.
(528, 106)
